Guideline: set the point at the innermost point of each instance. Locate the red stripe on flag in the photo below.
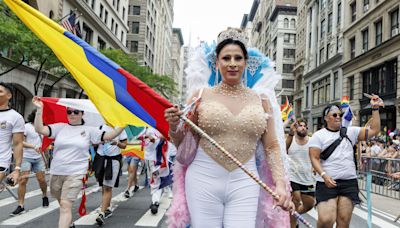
(52, 113)
(153, 103)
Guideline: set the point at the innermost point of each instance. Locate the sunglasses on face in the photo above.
(337, 114)
(76, 112)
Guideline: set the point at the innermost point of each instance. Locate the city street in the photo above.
(134, 212)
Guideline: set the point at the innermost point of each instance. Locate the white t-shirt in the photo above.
(33, 138)
(106, 149)
(150, 148)
(71, 147)
(300, 164)
(375, 150)
(10, 122)
(340, 165)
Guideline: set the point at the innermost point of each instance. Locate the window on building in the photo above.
(122, 36)
(123, 13)
(18, 100)
(283, 99)
(323, 29)
(321, 91)
(93, 3)
(136, 10)
(323, 3)
(286, 23)
(365, 40)
(112, 24)
(116, 29)
(288, 84)
(381, 79)
(134, 46)
(321, 55)
(394, 22)
(307, 92)
(330, 23)
(100, 43)
(118, 5)
(105, 16)
(351, 87)
(352, 47)
(289, 53)
(335, 85)
(366, 5)
(292, 23)
(328, 49)
(87, 33)
(378, 33)
(353, 11)
(339, 16)
(289, 38)
(287, 68)
(101, 11)
(135, 27)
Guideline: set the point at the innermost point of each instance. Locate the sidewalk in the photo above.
(383, 203)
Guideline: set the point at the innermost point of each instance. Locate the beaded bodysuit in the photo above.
(235, 118)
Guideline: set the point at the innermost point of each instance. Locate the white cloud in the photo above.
(204, 19)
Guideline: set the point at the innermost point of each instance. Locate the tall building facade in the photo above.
(322, 74)
(371, 58)
(273, 31)
(103, 24)
(177, 61)
(150, 33)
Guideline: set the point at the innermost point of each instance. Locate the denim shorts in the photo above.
(130, 160)
(32, 164)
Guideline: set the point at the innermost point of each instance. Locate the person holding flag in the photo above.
(32, 160)
(70, 157)
(333, 158)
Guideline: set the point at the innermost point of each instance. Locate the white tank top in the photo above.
(300, 164)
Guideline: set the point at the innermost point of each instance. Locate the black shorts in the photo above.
(304, 189)
(348, 188)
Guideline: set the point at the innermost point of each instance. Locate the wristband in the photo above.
(17, 168)
(323, 174)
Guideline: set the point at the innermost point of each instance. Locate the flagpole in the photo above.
(241, 166)
(73, 11)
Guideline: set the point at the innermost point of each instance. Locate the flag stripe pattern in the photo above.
(120, 97)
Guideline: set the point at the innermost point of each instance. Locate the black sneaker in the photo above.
(100, 219)
(18, 211)
(136, 188)
(127, 194)
(108, 213)
(45, 201)
(154, 208)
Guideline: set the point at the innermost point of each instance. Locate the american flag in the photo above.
(69, 23)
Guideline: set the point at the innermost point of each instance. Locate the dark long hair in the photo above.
(31, 116)
(231, 41)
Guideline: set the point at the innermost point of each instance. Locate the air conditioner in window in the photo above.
(362, 51)
(366, 7)
(395, 31)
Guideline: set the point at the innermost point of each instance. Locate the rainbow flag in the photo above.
(290, 112)
(134, 151)
(284, 109)
(120, 97)
(345, 102)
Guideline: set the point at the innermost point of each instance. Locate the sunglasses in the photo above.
(76, 112)
(337, 114)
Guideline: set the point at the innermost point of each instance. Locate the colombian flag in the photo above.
(345, 102)
(120, 97)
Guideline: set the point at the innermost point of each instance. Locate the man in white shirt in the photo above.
(337, 186)
(11, 133)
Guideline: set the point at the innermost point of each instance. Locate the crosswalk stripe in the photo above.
(10, 200)
(375, 220)
(37, 212)
(90, 219)
(150, 220)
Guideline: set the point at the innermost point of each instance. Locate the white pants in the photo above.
(219, 198)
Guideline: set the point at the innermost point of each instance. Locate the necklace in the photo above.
(234, 91)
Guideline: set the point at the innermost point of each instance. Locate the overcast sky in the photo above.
(204, 19)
